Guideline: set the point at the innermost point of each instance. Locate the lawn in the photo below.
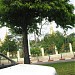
(65, 68)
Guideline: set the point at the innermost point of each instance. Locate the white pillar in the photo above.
(18, 55)
(70, 46)
(56, 52)
(42, 50)
(29, 45)
(7, 54)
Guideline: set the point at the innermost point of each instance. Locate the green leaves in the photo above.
(35, 51)
(9, 45)
(19, 12)
(50, 41)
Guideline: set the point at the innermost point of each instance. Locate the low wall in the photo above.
(54, 57)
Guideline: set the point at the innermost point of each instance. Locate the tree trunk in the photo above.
(25, 47)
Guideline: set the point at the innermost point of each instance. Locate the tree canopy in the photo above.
(23, 15)
(26, 13)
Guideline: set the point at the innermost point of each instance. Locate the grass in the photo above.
(64, 68)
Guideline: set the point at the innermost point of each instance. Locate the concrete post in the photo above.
(7, 54)
(56, 52)
(18, 55)
(42, 50)
(70, 46)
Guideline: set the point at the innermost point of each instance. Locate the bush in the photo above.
(35, 51)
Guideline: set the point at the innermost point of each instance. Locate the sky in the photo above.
(45, 29)
(2, 32)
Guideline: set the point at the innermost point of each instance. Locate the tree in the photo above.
(35, 51)
(71, 39)
(9, 45)
(23, 16)
(59, 40)
(51, 40)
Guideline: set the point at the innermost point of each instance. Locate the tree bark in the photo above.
(25, 47)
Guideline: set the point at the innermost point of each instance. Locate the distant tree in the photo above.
(51, 40)
(9, 45)
(59, 40)
(71, 39)
(23, 16)
(35, 51)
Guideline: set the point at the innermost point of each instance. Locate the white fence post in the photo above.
(42, 50)
(7, 54)
(70, 46)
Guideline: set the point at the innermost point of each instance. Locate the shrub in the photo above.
(35, 51)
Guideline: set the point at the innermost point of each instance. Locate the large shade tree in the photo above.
(23, 16)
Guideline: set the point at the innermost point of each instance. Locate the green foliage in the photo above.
(49, 50)
(57, 39)
(9, 45)
(50, 41)
(1, 49)
(73, 46)
(26, 14)
(71, 39)
(35, 51)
